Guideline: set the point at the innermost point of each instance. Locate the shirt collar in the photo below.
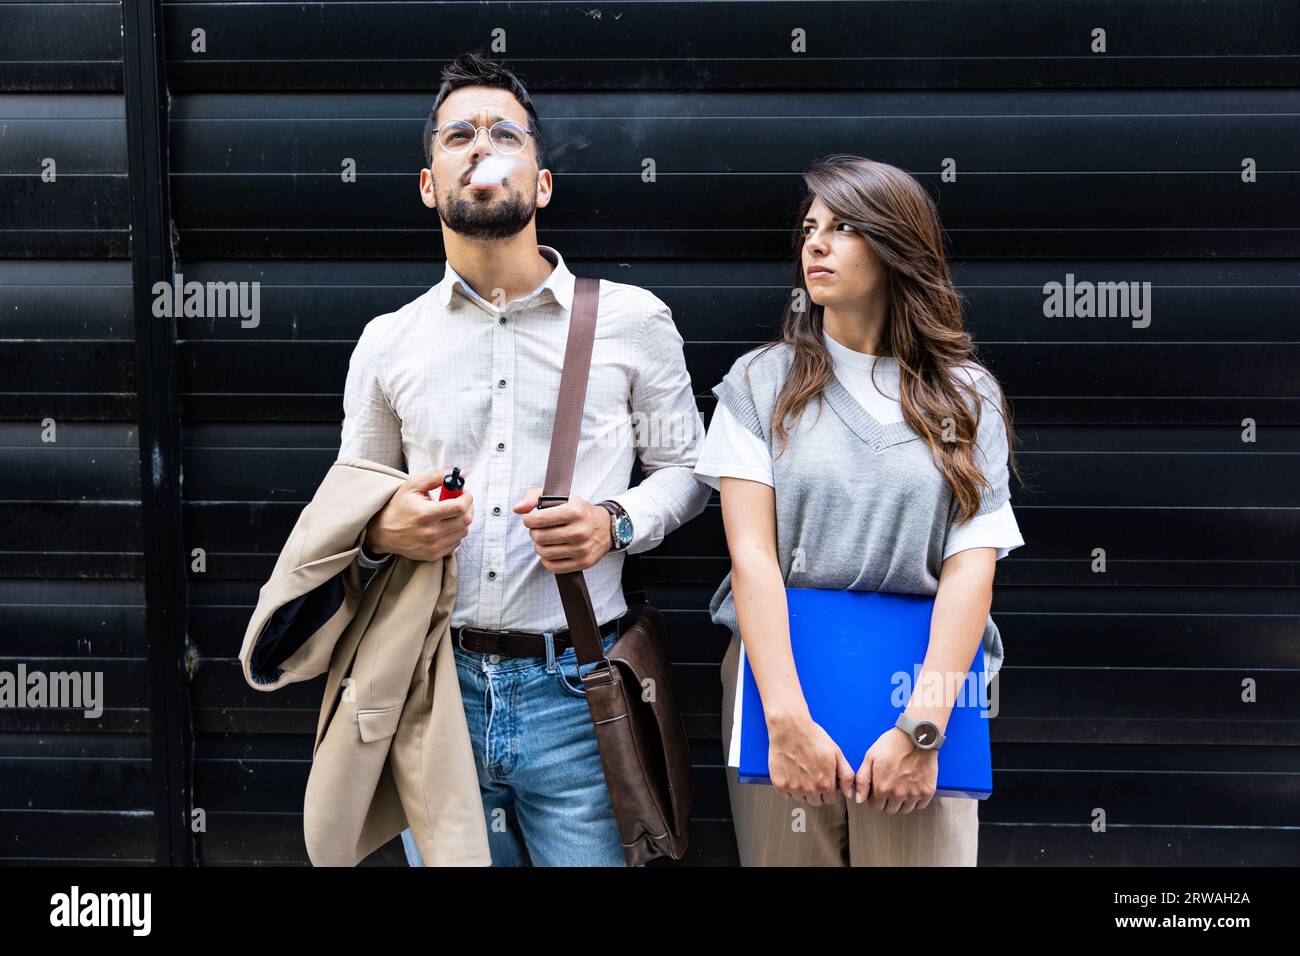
(560, 282)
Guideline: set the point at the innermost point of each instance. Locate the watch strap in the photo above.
(616, 511)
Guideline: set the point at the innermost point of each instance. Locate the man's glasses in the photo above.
(457, 136)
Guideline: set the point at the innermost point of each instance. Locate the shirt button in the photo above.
(492, 575)
(496, 510)
(501, 384)
(502, 320)
(495, 658)
(501, 446)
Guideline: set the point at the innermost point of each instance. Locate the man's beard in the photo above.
(488, 220)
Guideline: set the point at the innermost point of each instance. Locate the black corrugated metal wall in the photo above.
(1171, 158)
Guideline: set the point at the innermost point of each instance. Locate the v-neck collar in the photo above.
(863, 423)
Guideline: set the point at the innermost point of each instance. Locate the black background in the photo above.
(1121, 690)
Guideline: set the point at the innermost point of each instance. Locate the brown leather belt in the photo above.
(515, 643)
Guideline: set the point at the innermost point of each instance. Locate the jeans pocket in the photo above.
(568, 673)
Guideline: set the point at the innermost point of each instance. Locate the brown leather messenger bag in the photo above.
(639, 729)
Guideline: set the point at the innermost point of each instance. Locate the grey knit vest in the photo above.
(859, 505)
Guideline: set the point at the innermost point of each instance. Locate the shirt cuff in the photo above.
(646, 527)
(643, 532)
(367, 560)
(997, 529)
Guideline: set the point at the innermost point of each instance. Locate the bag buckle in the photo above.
(607, 671)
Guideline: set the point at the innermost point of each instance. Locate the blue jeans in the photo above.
(539, 769)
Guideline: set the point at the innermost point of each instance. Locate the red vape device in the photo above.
(452, 485)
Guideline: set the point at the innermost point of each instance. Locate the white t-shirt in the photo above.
(733, 451)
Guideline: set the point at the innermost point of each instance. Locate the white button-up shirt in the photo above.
(449, 379)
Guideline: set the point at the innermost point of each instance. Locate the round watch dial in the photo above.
(624, 526)
(927, 734)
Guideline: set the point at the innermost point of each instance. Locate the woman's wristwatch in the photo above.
(925, 734)
(620, 525)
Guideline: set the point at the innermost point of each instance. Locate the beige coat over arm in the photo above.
(392, 746)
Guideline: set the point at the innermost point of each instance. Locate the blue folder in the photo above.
(858, 654)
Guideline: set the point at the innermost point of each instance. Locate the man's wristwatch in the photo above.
(620, 525)
(925, 734)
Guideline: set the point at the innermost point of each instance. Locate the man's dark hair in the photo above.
(470, 69)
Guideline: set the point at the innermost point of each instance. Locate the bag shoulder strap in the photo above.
(584, 629)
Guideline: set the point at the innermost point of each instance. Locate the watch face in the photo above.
(927, 734)
(624, 530)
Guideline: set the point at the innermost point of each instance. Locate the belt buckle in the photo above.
(460, 639)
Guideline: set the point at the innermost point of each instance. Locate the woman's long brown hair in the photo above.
(925, 331)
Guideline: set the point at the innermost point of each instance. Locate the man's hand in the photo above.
(568, 537)
(416, 525)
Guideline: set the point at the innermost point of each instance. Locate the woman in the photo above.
(900, 485)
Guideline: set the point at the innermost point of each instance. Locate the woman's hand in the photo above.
(896, 775)
(803, 761)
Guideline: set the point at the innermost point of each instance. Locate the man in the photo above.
(467, 375)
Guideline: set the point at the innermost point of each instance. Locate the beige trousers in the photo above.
(773, 831)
